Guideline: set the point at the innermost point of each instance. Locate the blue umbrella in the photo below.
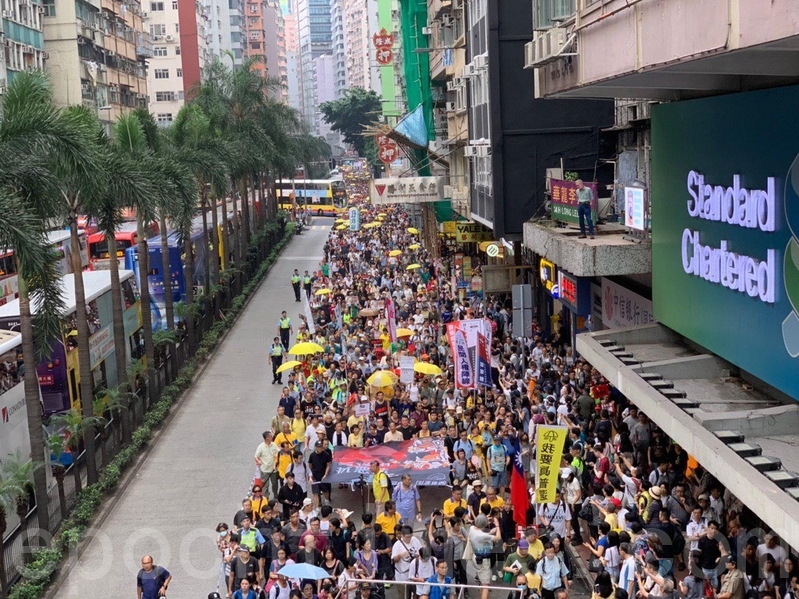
(306, 571)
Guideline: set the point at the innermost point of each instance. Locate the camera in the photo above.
(478, 560)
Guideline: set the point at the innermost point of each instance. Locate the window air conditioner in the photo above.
(529, 55)
(427, 31)
(450, 106)
(470, 151)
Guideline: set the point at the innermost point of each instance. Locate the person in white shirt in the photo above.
(696, 527)
(627, 573)
(393, 435)
(340, 438)
(557, 515)
(403, 553)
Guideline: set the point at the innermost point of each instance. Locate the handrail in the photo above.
(511, 589)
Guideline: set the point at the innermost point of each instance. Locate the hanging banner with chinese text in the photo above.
(549, 450)
(464, 363)
(407, 190)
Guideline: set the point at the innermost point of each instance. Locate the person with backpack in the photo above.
(553, 572)
(498, 460)
(556, 516)
(382, 487)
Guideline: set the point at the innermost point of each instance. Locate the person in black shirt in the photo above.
(290, 495)
(339, 539)
(381, 430)
(406, 428)
(710, 551)
(319, 462)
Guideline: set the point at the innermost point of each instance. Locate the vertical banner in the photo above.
(406, 369)
(392, 320)
(483, 366)
(464, 364)
(306, 309)
(549, 450)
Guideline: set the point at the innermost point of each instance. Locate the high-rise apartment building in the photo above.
(225, 29)
(315, 40)
(96, 51)
(339, 47)
(24, 40)
(181, 33)
(275, 46)
(291, 29)
(360, 24)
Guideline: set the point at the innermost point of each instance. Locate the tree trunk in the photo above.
(209, 253)
(169, 307)
(188, 273)
(120, 338)
(33, 408)
(225, 237)
(215, 256)
(262, 201)
(58, 473)
(84, 356)
(76, 470)
(244, 192)
(236, 223)
(146, 314)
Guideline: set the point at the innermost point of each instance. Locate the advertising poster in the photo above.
(725, 235)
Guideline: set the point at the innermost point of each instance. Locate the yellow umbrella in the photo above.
(404, 332)
(413, 230)
(290, 365)
(426, 368)
(341, 227)
(305, 348)
(338, 221)
(324, 291)
(413, 266)
(382, 214)
(382, 378)
(395, 253)
(414, 246)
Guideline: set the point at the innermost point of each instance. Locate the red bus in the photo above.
(126, 237)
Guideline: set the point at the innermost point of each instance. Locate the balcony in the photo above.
(672, 50)
(144, 45)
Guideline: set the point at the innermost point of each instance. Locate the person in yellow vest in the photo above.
(285, 330)
(276, 354)
(295, 282)
(306, 283)
(379, 487)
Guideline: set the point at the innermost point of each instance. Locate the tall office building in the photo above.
(96, 52)
(225, 30)
(360, 24)
(275, 46)
(292, 32)
(181, 35)
(315, 40)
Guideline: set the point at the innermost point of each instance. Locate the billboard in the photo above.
(564, 200)
(725, 213)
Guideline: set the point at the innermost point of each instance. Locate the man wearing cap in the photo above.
(482, 540)
(320, 462)
(475, 499)
(242, 566)
(520, 561)
(732, 582)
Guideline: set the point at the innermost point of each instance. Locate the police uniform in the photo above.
(276, 353)
(284, 324)
(306, 282)
(295, 282)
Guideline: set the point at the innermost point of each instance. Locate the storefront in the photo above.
(567, 300)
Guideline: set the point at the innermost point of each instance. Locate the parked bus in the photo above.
(61, 241)
(126, 236)
(59, 374)
(177, 256)
(323, 197)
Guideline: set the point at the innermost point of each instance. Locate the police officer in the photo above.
(295, 282)
(306, 282)
(276, 353)
(284, 328)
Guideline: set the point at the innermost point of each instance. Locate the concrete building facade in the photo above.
(24, 38)
(96, 54)
(315, 40)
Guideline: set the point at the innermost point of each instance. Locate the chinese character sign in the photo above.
(383, 42)
(549, 445)
(623, 308)
(464, 367)
(391, 317)
(384, 56)
(483, 361)
(564, 200)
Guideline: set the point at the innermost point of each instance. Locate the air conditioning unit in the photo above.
(144, 15)
(28, 49)
(156, 38)
(42, 10)
(446, 20)
(470, 151)
(45, 56)
(170, 38)
(468, 70)
(9, 43)
(451, 85)
(450, 106)
(529, 55)
(8, 14)
(481, 61)
(557, 39)
(482, 151)
(102, 67)
(427, 31)
(459, 82)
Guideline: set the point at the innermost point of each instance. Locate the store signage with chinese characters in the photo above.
(623, 308)
(387, 148)
(549, 274)
(568, 288)
(467, 232)
(383, 43)
(564, 200)
(406, 190)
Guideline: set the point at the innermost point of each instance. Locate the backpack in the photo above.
(390, 486)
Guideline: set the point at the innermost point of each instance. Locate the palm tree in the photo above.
(57, 446)
(77, 428)
(15, 476)
(36, 139)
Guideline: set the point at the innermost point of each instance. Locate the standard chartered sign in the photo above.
(735, 206)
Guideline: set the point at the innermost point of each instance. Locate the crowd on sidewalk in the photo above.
(646, 511)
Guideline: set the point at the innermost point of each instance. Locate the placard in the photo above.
(634, 208)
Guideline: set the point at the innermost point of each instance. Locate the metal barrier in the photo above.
(461, 587)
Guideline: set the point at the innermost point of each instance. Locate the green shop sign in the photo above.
(725, 228)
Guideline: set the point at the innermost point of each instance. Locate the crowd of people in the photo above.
(646, 517)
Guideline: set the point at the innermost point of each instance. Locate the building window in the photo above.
(177, 50)
(254, 35)
(180, 72)
(174, 4)
(49, 8)
(180, 95)
(158, 30)
(156, 6)
(159, 51)
(164, 117)
(164, 96)
(162, 73)
(177, 27)
(255, 45)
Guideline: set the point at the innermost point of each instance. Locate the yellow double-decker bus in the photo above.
(322, 197)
